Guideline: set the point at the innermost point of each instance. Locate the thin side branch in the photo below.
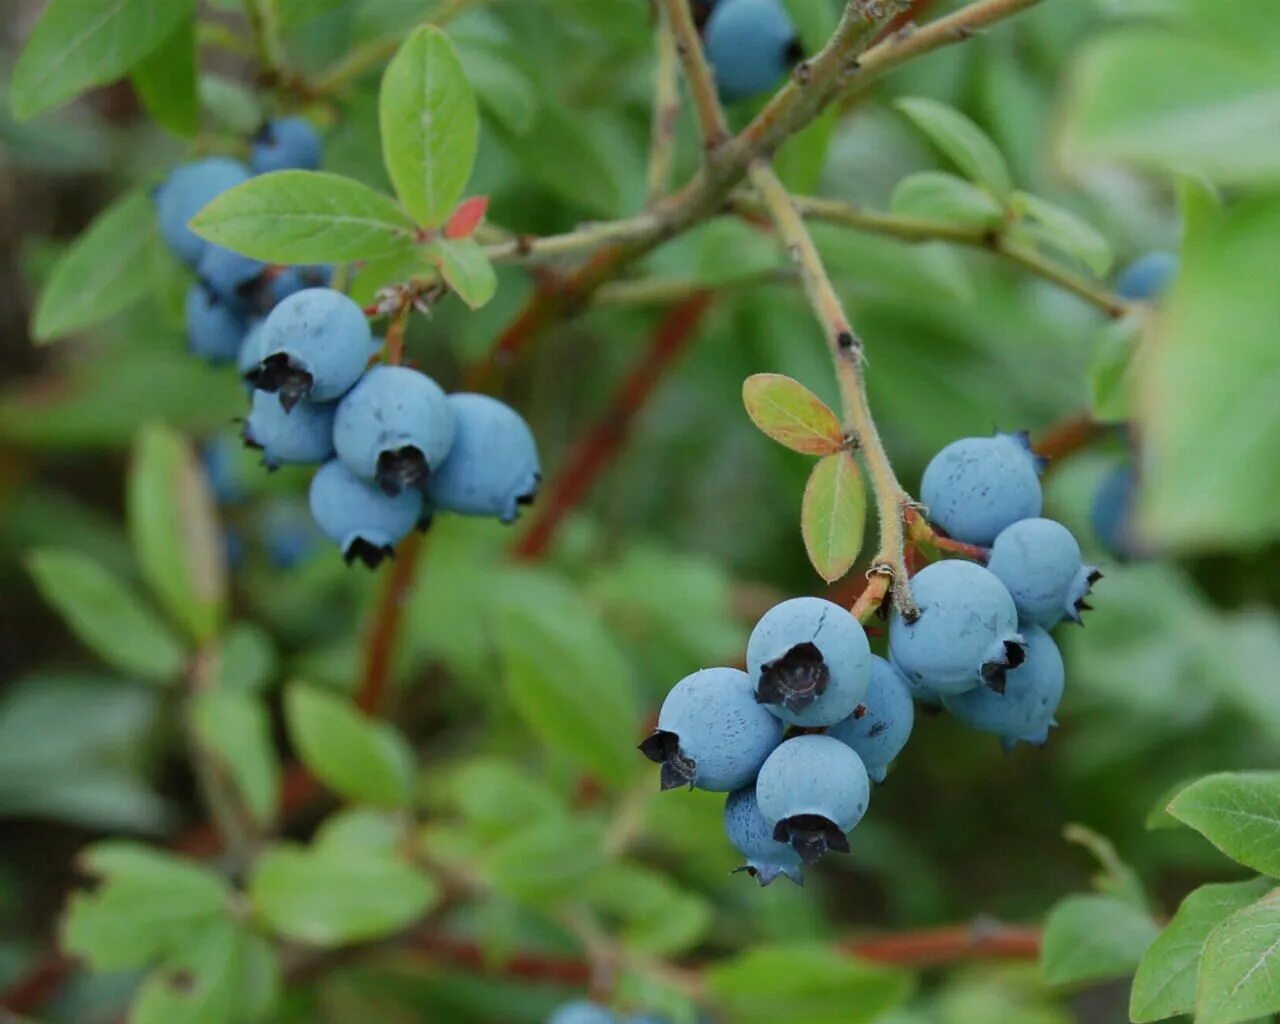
(666, 109)
(698, 74)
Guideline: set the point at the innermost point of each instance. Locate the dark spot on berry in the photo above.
(860, 711)
(877, 729)
(795, 680)
(678, 769)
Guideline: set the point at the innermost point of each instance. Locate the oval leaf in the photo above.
(834, 515)
(236, 729)
(937, 195)
(430, 126)
(1093, 937)
(791, 414)
(1240, 969)
(466, 270)
(962, 141)
(165, 81)
(306, 217)
(1059, 228)
(1239, 812)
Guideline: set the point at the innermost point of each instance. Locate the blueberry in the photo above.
(492, 468)
(879, 729)
(287, 280)
(1026, 708)
(751, 44)
(920, 692)
(812, 791)
(711, 732)
(251, 349)
(1112, 512)
(287, 143)
(223, 467)
(1039, 563)
(966, 633)
(395, 427)
(359, 518)
(287, 534)
(214, 330)
(186, 191)
(752, 837)
(315, 344)
(302, 435)
(977, 486)
(809, 661)
(1149, 276)
(582, 1011)
(229, 275)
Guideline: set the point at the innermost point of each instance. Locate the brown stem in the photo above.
(666, 108)
(384, 628)
(698, 75)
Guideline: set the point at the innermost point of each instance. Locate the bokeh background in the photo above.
(690, 530)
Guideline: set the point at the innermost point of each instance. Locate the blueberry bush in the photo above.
(431, 430)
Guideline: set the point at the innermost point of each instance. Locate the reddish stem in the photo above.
(1069, 436)
(597, 447)
(384, 627)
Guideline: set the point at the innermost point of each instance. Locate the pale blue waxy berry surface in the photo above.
(1032, 691)
(751, 45)
(879, 729)
(315, 344)
(751, 836)
(302, 435)
(809, 661)
(287, 280)
(977, 486)
(214, 329)
(229, 275)
(1038, 561)
(287, 143)
(812, 790)
(493, 467)
(1148, 277)
(1112, 511)
(363, 522)
(186, 191)
(582, 1011)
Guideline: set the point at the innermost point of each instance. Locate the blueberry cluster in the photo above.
(586, 1011)
(392, 447)
(751, 44)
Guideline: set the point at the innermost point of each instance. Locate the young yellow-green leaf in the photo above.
(165, 81)
(1059, 228)
(466, 270)
(834, 515)
(963, 142)
(98, 275)
(175, 531)
(791, 414)
(1239, 812)
(337, 894)
(1165, 984)
(1240, 968)
(107, 615)
(937, 195)
(77, 44)
(236, 729)
(430, 125)
(358, 758)
(1091, 938)
(306, 217)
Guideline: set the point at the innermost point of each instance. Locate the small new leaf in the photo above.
(834, 515)
(1049, 224)
(791, 414)
(466, 270)
(962, 142)
(937, 195)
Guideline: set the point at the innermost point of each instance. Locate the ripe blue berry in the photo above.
(1149, 276)
(186, 191)
(288, 280)
(582, 1011)
(966, 633)
(752, 837)
(1112, 512)
(1026, 708)
(1039, 563)
(809, 661)
(359, 518)
(287, 143)
(919, 691)
(214, 330)
(251, 349)
(223, 460)
(492, 468)
(302, 435)
(229, 275)
(879, 729)
(315, 344)
(395, 427)
(751, 44)
(288, 536)
(711, 733)
(812, 791)
(977, 486)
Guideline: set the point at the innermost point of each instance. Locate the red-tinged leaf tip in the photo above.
(467, 217)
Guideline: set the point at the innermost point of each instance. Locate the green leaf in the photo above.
(814, 984)
(654, 914)
(1061, 229)
(546, 860)
(962, 141)
(165, 81)
(936, 195)
(466, 270)
(562, 153)
(232, 103)
(430, 125)
(98, 275)
(833, 515)
(1116, 878)
(1175, 102)
(497, 797)
(502, 88)
(360, 759)
(1110, 371)
(337, 895)
(566, 677)
(306, 217)
(1239, 812)
(175, 530)
(247, 659)
(1196, 404)
(236, 729)
(107, 616)
(77, 44)
(1091, 938)
(146, 903)
(1240, 968)
(198, 984)
(791, 414)
(1165, 984)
